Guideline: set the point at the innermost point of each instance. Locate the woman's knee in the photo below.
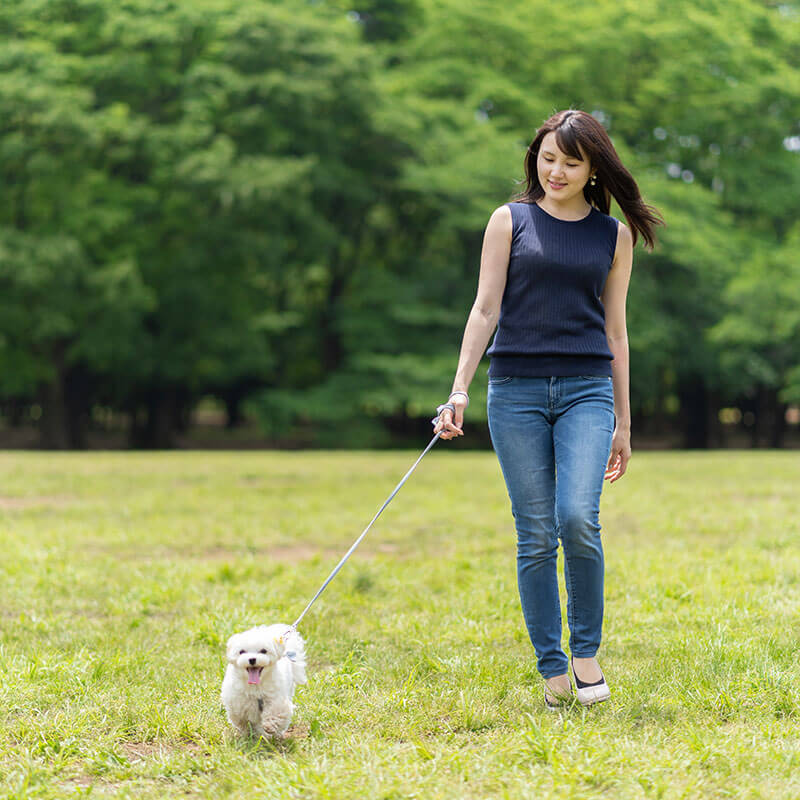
(536, 536)
(579, 529)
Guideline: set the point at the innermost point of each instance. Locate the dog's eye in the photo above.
(263, 651)
(241, 651)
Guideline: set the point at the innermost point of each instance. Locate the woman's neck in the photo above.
(573, 209)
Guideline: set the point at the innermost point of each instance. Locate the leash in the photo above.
(358, 541)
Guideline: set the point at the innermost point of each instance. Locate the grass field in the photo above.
(122, 575)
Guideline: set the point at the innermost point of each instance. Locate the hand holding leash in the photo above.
(449, 417)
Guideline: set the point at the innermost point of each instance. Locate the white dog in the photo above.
(264, 665)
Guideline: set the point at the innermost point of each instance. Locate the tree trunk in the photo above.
(65, 403)
(776, 419)
(716, 433)
(694, 412)
(233, 396)
(233, 408)
(160, 419)
(181, 409)
(14, 411)
(769, 424)
(153, 422)
(53, 430)
(332, 351)
(77, 396)
(53, 433)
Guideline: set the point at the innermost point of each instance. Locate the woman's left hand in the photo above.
(620, 455)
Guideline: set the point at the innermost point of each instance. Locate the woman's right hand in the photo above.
(446, 422)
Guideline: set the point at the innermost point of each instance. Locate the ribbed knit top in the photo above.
(552, 321)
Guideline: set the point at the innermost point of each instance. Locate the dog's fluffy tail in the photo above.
(296, 653)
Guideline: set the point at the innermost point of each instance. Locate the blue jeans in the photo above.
(552, 437)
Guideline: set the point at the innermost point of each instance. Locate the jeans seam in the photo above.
(571, 615)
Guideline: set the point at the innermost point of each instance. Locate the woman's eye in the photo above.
(241, 651)
(263, 651)
(550, 161)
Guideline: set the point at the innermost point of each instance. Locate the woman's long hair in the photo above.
(574, 127)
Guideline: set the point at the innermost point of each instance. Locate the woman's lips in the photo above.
(556, 185)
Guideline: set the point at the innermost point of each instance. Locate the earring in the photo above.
(592, 181)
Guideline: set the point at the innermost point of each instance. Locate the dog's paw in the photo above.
(275, 722)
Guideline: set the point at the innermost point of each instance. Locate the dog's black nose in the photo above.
(252, 661)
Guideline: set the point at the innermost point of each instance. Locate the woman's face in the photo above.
(561, 176)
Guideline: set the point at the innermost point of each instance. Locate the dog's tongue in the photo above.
(253, 674)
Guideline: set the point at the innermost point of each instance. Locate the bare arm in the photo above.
(483, 317)
(614, 298)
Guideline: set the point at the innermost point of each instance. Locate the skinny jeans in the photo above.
(553, 437)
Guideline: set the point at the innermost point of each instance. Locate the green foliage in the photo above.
(761, 329)
(286, 202)
(467, 101)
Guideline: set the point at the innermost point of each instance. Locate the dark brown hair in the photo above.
(572, 128)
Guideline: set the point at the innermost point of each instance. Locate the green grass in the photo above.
(122, 575)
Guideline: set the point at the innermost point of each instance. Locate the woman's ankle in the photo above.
(558, 685)
(587, 669)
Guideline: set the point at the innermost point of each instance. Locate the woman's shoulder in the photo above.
(609, 222)
(509, 212)
(602, 215)
(502, 214)
(516, 205)
(612, 221)
(501, 220)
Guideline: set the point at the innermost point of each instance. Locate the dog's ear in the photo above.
(280, 645)
(232, 648)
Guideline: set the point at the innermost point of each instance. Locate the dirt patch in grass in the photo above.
(81, 780)
(21, 503)
(298, 552)
(141, 751)
(279, 553)
(293, 552)
(298, 730)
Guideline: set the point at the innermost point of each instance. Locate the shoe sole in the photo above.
(595, 701)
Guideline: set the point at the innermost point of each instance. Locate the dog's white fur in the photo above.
(265, 707)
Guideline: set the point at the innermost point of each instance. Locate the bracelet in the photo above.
(465, 395)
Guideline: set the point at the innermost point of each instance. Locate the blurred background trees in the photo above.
(278, 207)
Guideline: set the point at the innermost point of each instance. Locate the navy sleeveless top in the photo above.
(552, 321)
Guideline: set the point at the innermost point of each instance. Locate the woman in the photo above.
(554, 277)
